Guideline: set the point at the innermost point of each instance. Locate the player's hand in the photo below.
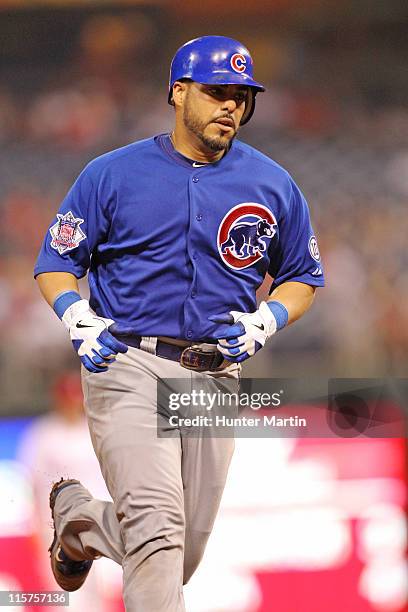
(90, 335)
(242, 334)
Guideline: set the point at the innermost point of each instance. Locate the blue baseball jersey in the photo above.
(169, 242)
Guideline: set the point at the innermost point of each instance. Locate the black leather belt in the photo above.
(192, 357)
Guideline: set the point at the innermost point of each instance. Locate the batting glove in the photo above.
(246, 332)
(90, 335)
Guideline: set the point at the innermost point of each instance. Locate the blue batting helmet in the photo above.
(216, 60)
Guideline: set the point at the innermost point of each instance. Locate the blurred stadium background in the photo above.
(306, 525)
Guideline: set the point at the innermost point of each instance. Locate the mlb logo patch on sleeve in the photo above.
(66, 233)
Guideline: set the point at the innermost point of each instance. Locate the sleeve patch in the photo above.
(66, 233)
(313, 248)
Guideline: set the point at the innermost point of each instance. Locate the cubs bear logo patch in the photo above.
(66, 233)
(244, 234)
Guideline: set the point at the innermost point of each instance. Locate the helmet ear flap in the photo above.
(249, 106)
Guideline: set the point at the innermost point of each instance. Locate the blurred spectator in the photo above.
(8, 115)
(79, 117)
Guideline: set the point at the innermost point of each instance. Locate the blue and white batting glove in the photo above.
(90, 334)
(242, 334)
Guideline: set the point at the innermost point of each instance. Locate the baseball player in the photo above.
(176, 232)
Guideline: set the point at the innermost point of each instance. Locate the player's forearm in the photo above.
(52, 284)
(90, 334)
(296, 297)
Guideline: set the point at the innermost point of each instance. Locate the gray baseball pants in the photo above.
(165, 491)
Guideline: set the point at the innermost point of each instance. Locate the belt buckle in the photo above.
(199, 360)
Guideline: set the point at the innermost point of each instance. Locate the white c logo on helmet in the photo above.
(238, 62)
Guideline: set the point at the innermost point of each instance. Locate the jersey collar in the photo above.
(165, 143)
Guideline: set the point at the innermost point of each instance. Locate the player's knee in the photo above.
(152, 529)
